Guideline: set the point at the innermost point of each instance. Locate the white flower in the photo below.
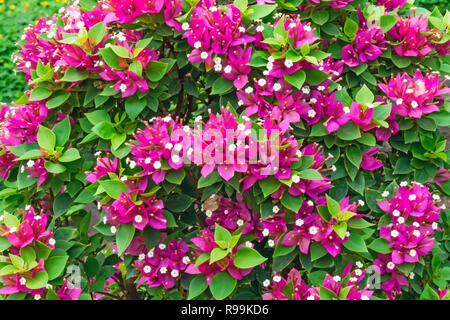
(37, 297)
(49, 286)
(364, 297)
(259, 28)
(132, 164)
(310, 298)
(412, 197)
(30, 163)
(157, 165)
(359, 264)
(51, 241)
(162, 246)
(23, 281)
(416, 233)
(401, 220)
(295, 178)
(396, 213)
(311, 113)
(411, 275)
(394, 233)
(240, 102)
(307, 28)
(248, 244)
(265, 232)
(147, 269)
(298, 153)
(266, 283)
(310, 203)
(174, 273)
(339, 87)
(271, 243)
(358, 272)
(175, 158)
(113, 229)
(275, 209)
(385, 194)
(217, 67)
(299, 222)
(412, 253)
(333, 168)
(321, 88)
(434, 225)
(262, 82)
(204, 55)
(138, 218)
(306, 90)
(232, 147)
(353, 279)
(123, 87)
(436, 197)
(403, 184)
(186, 260)
(227, 69)
(240, 222)
(141, 257)
(185, 26)
(277, 278)
(197, 44)
(241, 29)
(288, 63)
(271, 59)
(361, 203)
(150, 254)
(346, 109)
(391, 265)
(313, 230)
(248, 90)
(337, 278)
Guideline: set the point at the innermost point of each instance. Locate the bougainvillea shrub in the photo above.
(183, 149)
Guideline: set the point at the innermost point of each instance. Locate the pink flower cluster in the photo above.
(32, 228)
(294, 288)
(217, 36)
(205, 244)
(415, 217)
(19, 124)
(164, 140)
(47, 43)
(161, 265)
(369, 44)
(309, 225)
(415, 96)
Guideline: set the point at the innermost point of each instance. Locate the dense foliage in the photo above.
(171, 149)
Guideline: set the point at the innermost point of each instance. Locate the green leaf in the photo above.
(221, 86)
(315, 77)
(40, 93)
(104, 130)
(340, 229)
(222, 236)
(382, 112)
(179, 202)
(175, 176)
(156, 70)
(114, 188)
(269, 185)
(4, 244)
(354, 155)
(259, 11)
(28, 254)
(55, 266)
(429, 294)
(62, 131)
(291, 202)
(70, 155)
(61, 204)
(349, 131)
(52, 167)
(97, 32)
(73, 75)
(320, 16)
(217, 254)
(39, 281)
(134, 106)
(327, 294)
(350, 28)
(310, 174)
(333, 206)
(241, 4)
(197, 286)
(57, 100)
(296, 79)
(46, 138)
(317, 251)
(380, 245)
(355, 243)
(403, 166)
(124, 235)
(387, 22)
(364, 96)
(222, 285)
(209, 180)
(247, 258)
